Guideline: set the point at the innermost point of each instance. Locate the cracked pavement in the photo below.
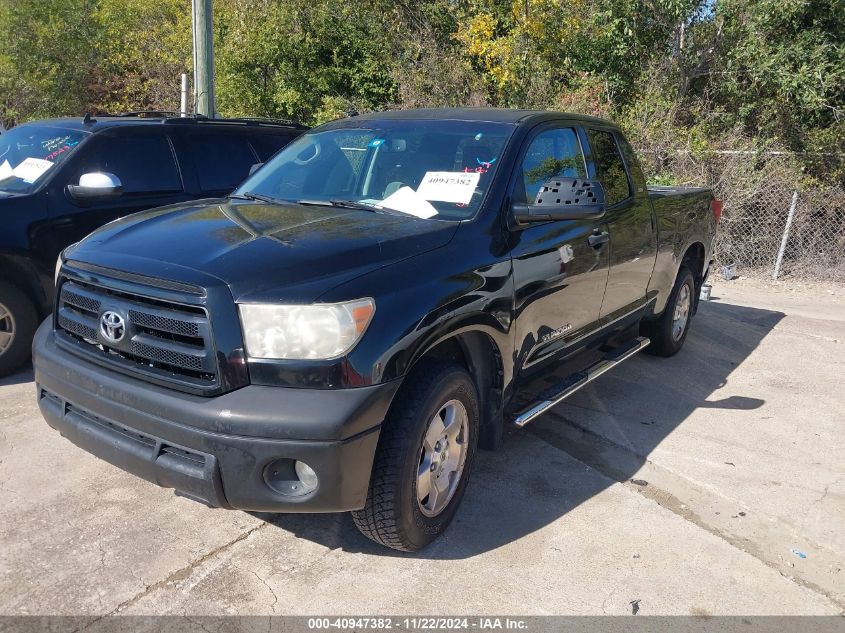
(734, 448)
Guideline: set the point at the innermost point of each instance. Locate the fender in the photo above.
(423, 301)
(673, 244)
(27, 275)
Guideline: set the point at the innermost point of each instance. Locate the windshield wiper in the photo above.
(341, 204)
(355, 204)
(257, 196)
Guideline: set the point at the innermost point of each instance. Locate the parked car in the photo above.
(345, 329)
(62, 178)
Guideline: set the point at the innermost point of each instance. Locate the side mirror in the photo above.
(96, 185)
(255, 168)
(564, 199)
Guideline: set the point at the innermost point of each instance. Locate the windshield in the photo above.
(439, 169)
(29, 152)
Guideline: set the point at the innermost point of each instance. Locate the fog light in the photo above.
(306, 475)
(290, 478)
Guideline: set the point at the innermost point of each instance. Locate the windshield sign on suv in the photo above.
(437, 169)
(29, 152)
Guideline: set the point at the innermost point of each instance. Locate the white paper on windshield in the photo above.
(6, 170)
(409, 201)
(449, 186)
(31, 169)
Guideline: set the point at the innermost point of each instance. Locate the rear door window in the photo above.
(221, 161)
(144, 163)
(633, 165)
(610, 169)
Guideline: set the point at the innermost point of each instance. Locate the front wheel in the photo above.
(422, 463)
(18, 320)
(669, 331)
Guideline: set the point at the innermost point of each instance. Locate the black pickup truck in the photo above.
(362, 313)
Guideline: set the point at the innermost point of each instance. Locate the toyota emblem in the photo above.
(112, 326)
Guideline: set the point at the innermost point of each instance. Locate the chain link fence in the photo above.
(759, 190)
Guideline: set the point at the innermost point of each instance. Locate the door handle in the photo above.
(597, 239)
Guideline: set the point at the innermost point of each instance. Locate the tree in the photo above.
(304, 60)
(47, 57)
(142, 48)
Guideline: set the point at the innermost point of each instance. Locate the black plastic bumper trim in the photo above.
(215, 449)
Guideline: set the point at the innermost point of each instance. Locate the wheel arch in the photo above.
(23, 274)
(695, 258)
(477, 352)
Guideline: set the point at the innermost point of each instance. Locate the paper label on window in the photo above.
(448, 186)
(31, 169)
(409, 201)
(6, 170)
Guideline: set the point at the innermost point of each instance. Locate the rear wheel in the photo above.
(422, 463)
(18, 320)
(669, 331)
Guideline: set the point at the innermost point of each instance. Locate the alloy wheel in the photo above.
(681, 315)
(7, 329)
(442, 457)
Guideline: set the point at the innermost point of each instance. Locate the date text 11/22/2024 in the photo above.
(417, 623)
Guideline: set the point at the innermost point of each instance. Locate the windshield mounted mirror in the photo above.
(564, 199)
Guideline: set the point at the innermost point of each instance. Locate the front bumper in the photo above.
(216, 450)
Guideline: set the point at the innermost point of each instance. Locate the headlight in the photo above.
(318, 331)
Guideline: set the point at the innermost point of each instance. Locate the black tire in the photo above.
(18, 315)
(660, 330)
(392, 515)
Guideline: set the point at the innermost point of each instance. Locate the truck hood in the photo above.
(262, 252)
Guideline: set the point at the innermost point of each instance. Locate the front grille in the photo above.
(168, 357)
(161, 339)
(164, 324)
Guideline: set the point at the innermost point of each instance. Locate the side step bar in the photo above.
(577, 380)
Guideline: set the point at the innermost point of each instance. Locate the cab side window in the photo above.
(633, 165)
(610, 169)
(553, 153)
(143, 163)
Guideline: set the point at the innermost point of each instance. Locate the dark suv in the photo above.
(62, 178)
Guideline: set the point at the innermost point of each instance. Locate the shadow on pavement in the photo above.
(534, 481)
(23, 375)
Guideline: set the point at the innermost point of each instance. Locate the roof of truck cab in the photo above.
(496, 115)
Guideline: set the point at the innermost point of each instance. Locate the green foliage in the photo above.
(691, 75)
(46, 55)
(305, 60)
(142, 48)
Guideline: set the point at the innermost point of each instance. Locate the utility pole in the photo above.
(203, 30)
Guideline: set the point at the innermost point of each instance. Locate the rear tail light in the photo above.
(716, 209)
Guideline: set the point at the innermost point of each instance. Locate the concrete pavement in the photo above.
(682, 485)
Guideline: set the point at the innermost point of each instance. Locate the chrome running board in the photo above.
(577, 380)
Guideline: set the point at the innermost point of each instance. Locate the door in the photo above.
(144, 163)
(633, 240)
(559, 279)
